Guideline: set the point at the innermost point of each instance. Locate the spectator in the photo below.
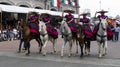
(116, 33)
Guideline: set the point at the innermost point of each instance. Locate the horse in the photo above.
(67, 36)
(45, 37)
(80, 39)
(101, 38)
(28, 36)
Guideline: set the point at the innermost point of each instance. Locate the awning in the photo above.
(17, 9)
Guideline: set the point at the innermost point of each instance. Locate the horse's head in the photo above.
(21, 24)
(103, 23)
(64, 28)
(80, 33)
(42, 26)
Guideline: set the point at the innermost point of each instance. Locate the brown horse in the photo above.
(28, 36)
(81, 38)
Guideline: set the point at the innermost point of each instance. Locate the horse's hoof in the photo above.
(23, 51)
(104, 54)
(77, 52)
(44, 54)
(27, 54)
(88, 54)
(54, 51)
(100, 56)
(18, 51)
(81, 56)
(69, 56)
(61, 56)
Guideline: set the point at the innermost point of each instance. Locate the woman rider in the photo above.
(46, 18)
(34, 23)
(70, 20)
(87, 30)
(102, 14)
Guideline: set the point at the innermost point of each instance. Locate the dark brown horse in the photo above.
(81, 38)
(28, 36)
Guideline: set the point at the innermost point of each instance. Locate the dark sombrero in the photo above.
(84, 14)
(102, 11)
(69, 10)
(45, 15)
(33, 13)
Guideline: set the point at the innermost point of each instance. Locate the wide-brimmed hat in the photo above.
(69, 10)
(45, 15)
(33, 15)
(102, 11)
(84, 14)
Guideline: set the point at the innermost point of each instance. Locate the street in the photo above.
(10, 58)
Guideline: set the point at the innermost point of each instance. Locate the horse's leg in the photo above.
(76, 47)
(44, 47)
(40, 44)
(100, 49)
(54, 41)
(70, 48)
(81, 47)
(104, 48)
(88, 47)
(62, 50)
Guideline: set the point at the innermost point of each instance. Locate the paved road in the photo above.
(10, 58)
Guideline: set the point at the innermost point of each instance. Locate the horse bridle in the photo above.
(102, 26)
(102, 36)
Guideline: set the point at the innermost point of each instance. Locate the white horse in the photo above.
(67, 35)
(45, 37)
(102, 38)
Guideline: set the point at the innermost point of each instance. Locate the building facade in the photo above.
(38, 4)
(41, 4)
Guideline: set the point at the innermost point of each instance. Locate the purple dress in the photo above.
(72, 24)
(85, 20)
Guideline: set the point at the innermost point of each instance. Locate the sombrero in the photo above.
(45, 15)
(84, 14)
(33, 13)
(102, 11)
(69, 10)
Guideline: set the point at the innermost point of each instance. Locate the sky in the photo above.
(113, 6)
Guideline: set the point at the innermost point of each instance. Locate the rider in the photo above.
(87, 30)
(52, 31)
(70, 20)
(103, 16)
(33, 22)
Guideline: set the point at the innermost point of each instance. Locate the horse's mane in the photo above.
(26, 29)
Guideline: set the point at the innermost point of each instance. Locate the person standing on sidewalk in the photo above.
(116, 33)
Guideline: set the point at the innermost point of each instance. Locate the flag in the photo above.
(66, 2)
(73, 3)
(56, 3)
